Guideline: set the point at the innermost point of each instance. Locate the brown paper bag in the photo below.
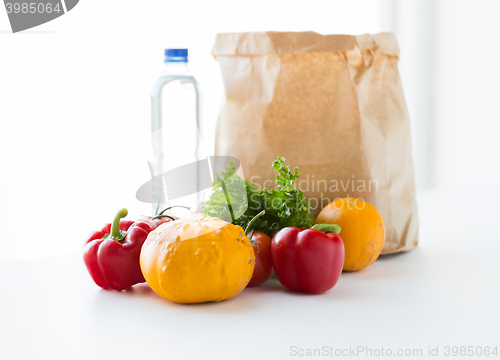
(333, 106)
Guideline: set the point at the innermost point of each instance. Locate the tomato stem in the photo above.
(170, 207)
(250, 224)
(162, 216)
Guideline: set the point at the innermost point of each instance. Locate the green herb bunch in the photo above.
(238, 201)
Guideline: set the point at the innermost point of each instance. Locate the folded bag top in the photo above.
(266, 43)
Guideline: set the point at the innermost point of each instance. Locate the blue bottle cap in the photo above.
(176, 55)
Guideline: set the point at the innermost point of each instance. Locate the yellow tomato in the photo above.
(197, 260)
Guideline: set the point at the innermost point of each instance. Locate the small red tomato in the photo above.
(147, 219)
(263, 259)
(155, 222)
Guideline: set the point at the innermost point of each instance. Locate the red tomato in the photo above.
(153, 223)
(263, 260)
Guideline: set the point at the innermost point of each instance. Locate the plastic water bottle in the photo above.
(176, 132)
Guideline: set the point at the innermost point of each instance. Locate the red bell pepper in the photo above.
(309, 260)
(111, 255)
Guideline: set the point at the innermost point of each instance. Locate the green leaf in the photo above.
(238, 201)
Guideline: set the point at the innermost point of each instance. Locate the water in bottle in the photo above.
(176, 134)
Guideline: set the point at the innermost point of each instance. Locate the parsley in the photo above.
(238, 201)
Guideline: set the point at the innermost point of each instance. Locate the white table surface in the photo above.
(444, 293)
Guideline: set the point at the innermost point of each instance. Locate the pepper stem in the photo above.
(116, 234)
(334, 228)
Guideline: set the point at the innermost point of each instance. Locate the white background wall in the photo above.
(74, 98)
(451, 75)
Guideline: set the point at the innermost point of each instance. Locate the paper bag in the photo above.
(332, 105)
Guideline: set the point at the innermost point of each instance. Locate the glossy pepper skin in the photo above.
(111, 255)
(308, 260)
